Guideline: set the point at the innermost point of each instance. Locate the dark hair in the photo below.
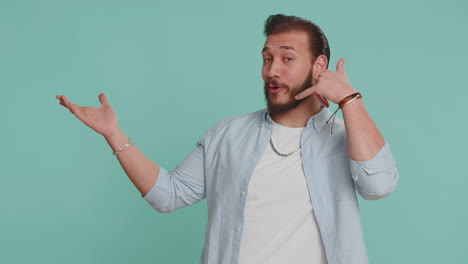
(317, 41)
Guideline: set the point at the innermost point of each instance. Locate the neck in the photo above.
(298, 116)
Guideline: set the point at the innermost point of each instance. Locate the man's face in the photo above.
(286, 71)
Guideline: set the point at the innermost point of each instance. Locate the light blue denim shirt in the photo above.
(220, 167)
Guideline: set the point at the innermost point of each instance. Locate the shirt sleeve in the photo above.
(377, 177)
(185, 185)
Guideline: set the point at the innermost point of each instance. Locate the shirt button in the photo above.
(242, 193)
(238, 229)
(268, 131)
(254, 159)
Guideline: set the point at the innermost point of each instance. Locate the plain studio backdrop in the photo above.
(170, 70)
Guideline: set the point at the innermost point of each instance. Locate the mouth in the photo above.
(275, 89)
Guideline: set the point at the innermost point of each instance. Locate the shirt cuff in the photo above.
(158, 196)
(382, 161)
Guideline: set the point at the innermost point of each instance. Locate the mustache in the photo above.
(276, 84)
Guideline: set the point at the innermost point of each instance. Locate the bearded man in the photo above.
(281, 182)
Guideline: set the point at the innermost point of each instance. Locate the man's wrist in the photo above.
(116, 139)
(354, 104)
(346, 93)
(348, 99)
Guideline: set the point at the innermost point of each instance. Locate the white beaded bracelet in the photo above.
(124, 147)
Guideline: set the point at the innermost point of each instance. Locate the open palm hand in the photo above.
(102, 120)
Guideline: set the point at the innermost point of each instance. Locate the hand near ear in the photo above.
(330, 85)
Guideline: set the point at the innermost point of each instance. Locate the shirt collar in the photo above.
(317, 121)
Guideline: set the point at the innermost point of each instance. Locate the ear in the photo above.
(320, 64)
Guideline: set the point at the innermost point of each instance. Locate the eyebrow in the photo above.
(281, 47)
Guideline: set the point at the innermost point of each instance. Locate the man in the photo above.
(280, 182)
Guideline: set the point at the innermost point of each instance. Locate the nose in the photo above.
(273, 70)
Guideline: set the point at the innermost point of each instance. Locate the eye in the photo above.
(288, 59)
(267, 59)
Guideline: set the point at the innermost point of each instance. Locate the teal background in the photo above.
(170, 70)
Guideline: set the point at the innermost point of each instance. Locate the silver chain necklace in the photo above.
(281, 154)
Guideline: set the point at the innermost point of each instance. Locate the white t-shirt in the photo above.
(279, 221)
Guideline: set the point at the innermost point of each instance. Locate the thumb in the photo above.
(103, 99)
(340, 66)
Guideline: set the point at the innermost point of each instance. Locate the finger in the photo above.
(69, 105)
(75, 109)
(59, 97)
(62, 102)
(103, 99)
(340, 66)
(65, 100)
(305, 93)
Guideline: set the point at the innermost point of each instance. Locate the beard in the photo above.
(280, 108)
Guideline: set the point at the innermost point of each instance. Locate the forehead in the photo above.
(297, 40)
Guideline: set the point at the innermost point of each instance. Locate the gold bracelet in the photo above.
(124, 147)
